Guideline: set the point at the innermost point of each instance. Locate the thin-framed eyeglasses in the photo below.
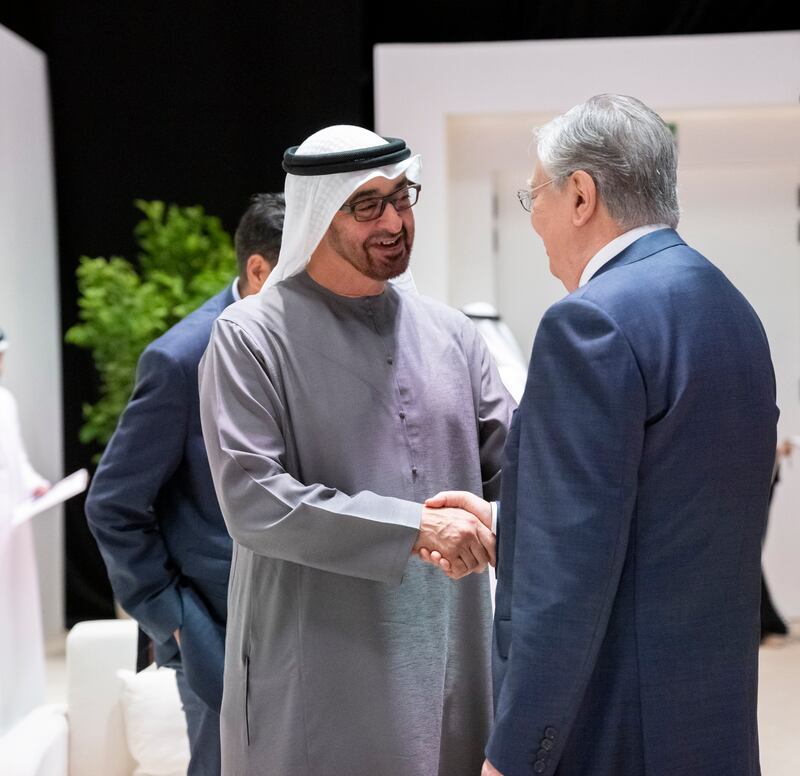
(526, 197)
(372, 208)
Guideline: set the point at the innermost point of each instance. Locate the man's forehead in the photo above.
(379, 185)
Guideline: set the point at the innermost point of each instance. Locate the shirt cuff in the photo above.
(494, 517)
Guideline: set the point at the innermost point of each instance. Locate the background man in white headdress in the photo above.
(22, 674)
(332, 405)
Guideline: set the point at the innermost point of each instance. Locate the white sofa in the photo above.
(115, 722)
(120, 722)
(37, 745)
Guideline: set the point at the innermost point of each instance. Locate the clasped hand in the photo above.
(455, 533)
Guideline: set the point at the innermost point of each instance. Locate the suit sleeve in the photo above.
(581, 428)
(266, 509)
(144, 452)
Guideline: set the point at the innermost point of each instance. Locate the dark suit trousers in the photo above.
(203, 725)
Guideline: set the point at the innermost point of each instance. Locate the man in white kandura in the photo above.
(22, 678)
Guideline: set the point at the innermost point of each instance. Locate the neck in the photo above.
(586, 246)
(338, 275)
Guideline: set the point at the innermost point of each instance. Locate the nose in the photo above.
(390, 219)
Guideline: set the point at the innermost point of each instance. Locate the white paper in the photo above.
(67, 488)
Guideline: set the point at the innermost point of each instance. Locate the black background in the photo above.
(194, 103)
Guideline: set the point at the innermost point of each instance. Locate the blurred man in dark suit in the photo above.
(152, 506)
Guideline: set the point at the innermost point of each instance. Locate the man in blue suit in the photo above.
(152, 506)
(635, 483)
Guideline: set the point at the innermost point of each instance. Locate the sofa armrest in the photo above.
(95, 651)
(37, 744)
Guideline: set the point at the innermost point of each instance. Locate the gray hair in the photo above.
(628, 151)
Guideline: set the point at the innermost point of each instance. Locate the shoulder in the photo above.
(185, 342)
(253, 314)
(435, 313)
(576, 311)
(288, 306)
(677, 276)
(655, 305)
(7, 401)
(439, 322)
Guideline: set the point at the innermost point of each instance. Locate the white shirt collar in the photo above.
(237, 297)
(614, 248)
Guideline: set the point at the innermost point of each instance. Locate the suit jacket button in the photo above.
(542, 754)
(540, 766)
(547, 744)
(550, 733)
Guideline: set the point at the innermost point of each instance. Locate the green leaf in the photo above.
(185, 257)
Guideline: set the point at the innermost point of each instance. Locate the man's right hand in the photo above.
(463, 500)
(458, 536)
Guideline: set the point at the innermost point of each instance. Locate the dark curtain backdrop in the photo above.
(194, 103)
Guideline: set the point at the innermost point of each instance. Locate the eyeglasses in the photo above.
(526, 196)
(372, 208)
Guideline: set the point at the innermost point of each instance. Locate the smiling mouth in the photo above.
(389, 243)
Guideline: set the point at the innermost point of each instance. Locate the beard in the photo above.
(382, 256)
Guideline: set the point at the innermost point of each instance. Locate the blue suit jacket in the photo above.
(154, 513)
(634, 500)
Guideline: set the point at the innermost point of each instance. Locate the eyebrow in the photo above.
(367, 193)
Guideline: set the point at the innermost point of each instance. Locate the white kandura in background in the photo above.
(502, 345)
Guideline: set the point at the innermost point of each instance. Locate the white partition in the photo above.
(469, 109)
(29, 308)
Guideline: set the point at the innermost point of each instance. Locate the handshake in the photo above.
(455, 534)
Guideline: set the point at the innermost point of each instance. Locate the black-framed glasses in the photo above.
(526, 197)
(371, 208)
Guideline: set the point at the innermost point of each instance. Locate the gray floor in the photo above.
(779, 704)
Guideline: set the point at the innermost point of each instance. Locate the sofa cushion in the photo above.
(155, 725)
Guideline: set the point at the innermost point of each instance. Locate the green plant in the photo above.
(185, 256)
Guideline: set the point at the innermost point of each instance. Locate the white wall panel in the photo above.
(469, 109)
(29, 310)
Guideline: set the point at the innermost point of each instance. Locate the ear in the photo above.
(258, 269)
(585, 197)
